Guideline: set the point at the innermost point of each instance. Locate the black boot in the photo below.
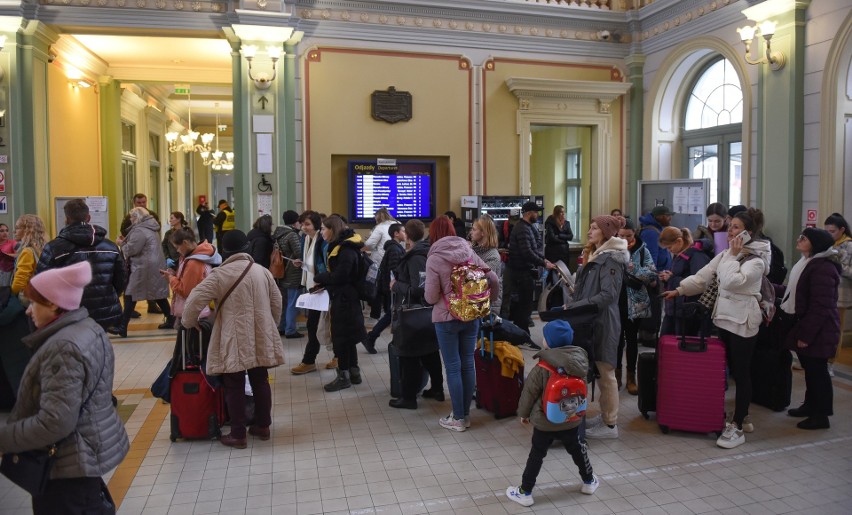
(340, 382)
(801, 411)
(434, 393)
(370, 344)
(403, 403)
(355, 375)
(814, 423)
(168, 324)
(118, 330)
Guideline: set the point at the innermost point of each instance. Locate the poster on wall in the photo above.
(98, 211)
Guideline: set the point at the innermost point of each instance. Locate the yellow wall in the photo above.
(339, 126)
(73, 136)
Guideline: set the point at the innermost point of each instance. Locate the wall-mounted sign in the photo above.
(812, 215)
(391, 106)
(2, 181)
(3, 206)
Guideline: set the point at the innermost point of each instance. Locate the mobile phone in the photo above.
(744, 236)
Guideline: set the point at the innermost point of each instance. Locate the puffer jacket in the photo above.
(260, 247)
(446, 253)
(599, 283)
(290, 246)
(245, 331)
(192, 269)
(73, 359)
(394, 252)
(844, 259)
(575, 363)
(638, 300)
(376, 241)
(737, 308)
(687, 263)
(818, 321)
(142, 248)
(85, 242)
(347, 320)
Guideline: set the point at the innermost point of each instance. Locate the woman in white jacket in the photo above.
(737, 313)
(375, 244)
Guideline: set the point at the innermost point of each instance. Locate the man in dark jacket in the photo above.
(290, 245)
(394, 251)
(205, 222)
(652, 225)
(80, 241)
(525, 257)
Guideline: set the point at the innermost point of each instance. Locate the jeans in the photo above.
(541, 441)
(457, 341)
(739, 351)
(235, 397)
(288, 321)
(819, 393)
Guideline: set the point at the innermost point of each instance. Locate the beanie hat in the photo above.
(733, 210)
(661, 210)
(609, 225)
(821, 240)
(234, 242)
(63, 286)
(221, 202)
(558, 333)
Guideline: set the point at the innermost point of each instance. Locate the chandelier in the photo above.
(217, 159)
(188, 141)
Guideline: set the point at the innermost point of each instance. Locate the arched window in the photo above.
(712, 131)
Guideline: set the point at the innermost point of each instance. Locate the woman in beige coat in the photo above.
(245, 334)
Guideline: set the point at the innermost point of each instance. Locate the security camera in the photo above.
(604, 35)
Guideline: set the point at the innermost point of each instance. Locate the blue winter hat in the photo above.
(558, 333)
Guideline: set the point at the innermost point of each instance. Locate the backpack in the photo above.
(469, 298)
(564, 398)
(368, 275)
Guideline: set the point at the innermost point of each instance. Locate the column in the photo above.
(635, 66)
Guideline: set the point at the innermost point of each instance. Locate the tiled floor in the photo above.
(348, 452)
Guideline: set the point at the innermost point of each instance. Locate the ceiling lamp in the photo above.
(217, 159)
(188, 141)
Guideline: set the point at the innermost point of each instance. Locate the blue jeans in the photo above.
(288, 321)
(457, 341)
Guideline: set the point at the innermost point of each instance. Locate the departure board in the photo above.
(404, 188)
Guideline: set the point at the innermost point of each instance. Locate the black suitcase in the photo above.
(646, 377)
(771, 371)
(396, 375)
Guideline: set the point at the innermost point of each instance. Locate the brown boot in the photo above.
(618, 377)
(632, 389)
(331, 365)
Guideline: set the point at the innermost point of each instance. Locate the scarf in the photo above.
(843, 239)
(308, 268)
(788, 304)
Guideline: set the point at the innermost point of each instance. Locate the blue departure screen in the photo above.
(405, 189)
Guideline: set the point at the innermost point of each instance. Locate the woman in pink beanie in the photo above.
(70, 406)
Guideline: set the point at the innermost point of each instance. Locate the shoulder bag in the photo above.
(231, 289)
(412, 325)
(276, 262)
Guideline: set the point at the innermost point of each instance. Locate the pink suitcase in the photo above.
(691, 384)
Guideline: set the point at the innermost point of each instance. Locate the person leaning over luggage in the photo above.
(456, 338)
(245, 334)
(66, 397)
(689, 258)
(415, 356)
(737, 314)
(811, 297)
(344, 309)
(483, 237)
(838, 227)
(599, 282)
(560, 354)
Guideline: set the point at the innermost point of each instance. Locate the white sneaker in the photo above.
(595, 421)
(590, 487)
(748, 425)
(453, 424)
(731, 437)
(514, 494)
(601, 432)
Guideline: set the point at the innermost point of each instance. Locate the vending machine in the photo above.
(498, 207)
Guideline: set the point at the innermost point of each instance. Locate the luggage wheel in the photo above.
(664, 429)
(645, 415)
(173, 438)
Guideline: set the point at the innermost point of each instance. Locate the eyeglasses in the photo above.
(801, 237)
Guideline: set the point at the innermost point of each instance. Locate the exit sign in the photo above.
(181, 89)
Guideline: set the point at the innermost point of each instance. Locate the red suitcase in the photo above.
(197, 409)
(495, 392)
(691, 384)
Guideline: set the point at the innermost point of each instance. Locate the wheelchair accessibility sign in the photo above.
(3, 206)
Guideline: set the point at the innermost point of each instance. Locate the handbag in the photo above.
(710, 295)
(411, 325)
(324, 330)
(276, 262)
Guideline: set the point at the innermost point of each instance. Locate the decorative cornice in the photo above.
(604, 92)
(210, 6)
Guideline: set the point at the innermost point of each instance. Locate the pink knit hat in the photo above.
(63, 286)
(609, 225)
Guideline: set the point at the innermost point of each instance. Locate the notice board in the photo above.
(98, 211)
(687, 198)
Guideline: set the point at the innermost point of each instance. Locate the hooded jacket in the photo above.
(260, 247)
(142, 248)
(378, 238)
(192, 269)
(650, 234)
(245, 331)
(394, 252)
(85, 242)
(573, 360)
(599, 283)
(347, 320)
(72, 360)
(737, 308)
(687, 263)
(290, 246)
(446, 253)
(638, 301)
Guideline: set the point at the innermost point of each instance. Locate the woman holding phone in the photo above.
(737, 314)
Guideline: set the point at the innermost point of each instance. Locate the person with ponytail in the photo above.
(689, 258)
(838, 227)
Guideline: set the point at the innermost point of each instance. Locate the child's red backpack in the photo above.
(564, 398)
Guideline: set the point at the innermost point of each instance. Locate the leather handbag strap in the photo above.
(231, 289)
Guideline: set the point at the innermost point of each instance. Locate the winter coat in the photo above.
(260, 247)
(737, 308)
(290, 246)
(685, 264)
(407, 287)
(169, 250)
(204, 224)
(638, 300)
(573, 360)
(818, 320)
(394, 252)
(376, 241)
(72, 360)
(25, 269)
(142, 248)
(85, 242)
(844, 259)
(446, 253)
(556, 239)
(192, 269)
(224, 221)
(319, 257)
(245, 330)
(347, 320)
(599, 282)
(650, 234)
(524, 249)
(495, 263)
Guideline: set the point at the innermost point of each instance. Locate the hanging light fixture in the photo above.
(188, 141)
(217, 159)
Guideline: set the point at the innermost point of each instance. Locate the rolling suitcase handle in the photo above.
(687, 308)
(482, 335)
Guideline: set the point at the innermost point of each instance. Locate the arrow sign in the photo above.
(263, 101)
